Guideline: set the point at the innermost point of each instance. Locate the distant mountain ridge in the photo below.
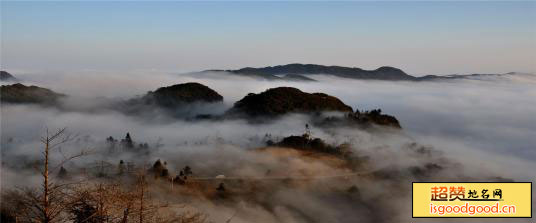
(382, 73)
(465, 76)
(300, 72)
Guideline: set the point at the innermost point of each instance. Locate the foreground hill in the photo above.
(282, 100)
(19, 93)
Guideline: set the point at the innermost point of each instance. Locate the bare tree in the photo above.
(12, 205)
(49, 202)
(141, 186)
(117, 202)
(102, 201)
(146, 209)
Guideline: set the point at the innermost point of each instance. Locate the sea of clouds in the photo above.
(485, 126)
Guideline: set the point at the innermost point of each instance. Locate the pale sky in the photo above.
(418, 37)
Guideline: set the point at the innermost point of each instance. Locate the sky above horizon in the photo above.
(418, 37)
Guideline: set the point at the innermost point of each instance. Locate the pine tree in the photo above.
(127, 142)
(62, 173)
(121, 168)
(221, 188)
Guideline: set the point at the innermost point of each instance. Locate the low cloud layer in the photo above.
(484, 128)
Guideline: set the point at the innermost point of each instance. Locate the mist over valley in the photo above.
(212, 146)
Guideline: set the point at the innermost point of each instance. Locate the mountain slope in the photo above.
(175, 96)
(282, 100)
(5, 76)
(19, 93)
(183, 93)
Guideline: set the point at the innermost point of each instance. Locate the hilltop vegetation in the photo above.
(284, 100)
(179, 101)
(181, 94)
(360, 119)
(276, 102)
(19, 93)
